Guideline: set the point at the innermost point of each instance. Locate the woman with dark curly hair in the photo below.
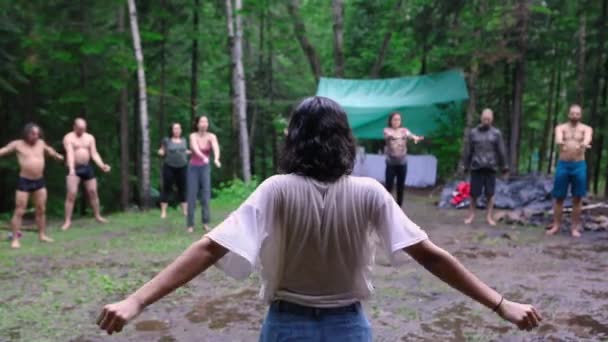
(308, 232)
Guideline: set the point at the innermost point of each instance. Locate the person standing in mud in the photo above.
(484, 155)
(395, 149)
(81, 148)
(309, 232)
(30, 150)
(573, 139)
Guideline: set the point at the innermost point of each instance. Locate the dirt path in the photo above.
(565, 278)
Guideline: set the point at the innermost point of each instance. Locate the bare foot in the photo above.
(66, 225)
(163, 215)
(190, 230)
(44, 238)
(206, 227)
(15, 244)
(469, 219)
(491, 221)
(552, 231)
(101, 219)
(576, 233)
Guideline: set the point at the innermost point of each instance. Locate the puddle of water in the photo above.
(241, 307)
(167, 339)
(586, 321)
(151, 325)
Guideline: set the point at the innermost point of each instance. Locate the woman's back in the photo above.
(314, 237)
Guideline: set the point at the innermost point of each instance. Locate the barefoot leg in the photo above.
(21, 199)
(577, 204)
(39, 197)
(471, 215)
(163, 210)
(557, 216)
(490, 214)
(91, 188)
(72, 183)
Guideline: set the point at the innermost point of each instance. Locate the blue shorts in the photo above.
(292, 322)
(570, 173)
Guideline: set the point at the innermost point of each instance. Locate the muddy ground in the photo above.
(566, 279)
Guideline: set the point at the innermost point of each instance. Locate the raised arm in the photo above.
(588, 137)
(443, 265)
(216, 150)
(9, 148)
(69, 155)
(559, 135)
(96, 157)
(51, 152)
(195, 260)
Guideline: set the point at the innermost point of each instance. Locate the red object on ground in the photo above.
(463, 191)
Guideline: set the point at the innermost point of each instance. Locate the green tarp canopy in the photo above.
(422, 101)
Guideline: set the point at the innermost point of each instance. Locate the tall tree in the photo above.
(338, 15)
(582, 33)
(194, 67)
(386, 41)
(163, 66)
(597, 120)
(522, 13)
(125, 192)
(234, 21)
(143, 107)
(300, 31)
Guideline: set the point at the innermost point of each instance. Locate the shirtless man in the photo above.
(80, 149)
(30, 150)
(572, 138)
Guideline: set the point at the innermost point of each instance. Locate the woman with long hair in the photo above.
(309, 233)
(395, 149)
(202, 143)
(174, 151)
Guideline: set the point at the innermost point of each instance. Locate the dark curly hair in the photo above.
(319, 142)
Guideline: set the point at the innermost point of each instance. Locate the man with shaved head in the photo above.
(30, 151)
(573, 139)
(81, 148)
(485, 154)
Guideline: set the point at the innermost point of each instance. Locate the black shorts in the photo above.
(28, 185)
(85, 172)
(483, 180)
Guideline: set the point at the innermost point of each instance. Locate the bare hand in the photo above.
(106, 168)
(115, 316)
(417, 139)
(217, 163)
(524, 316)
(59, 157)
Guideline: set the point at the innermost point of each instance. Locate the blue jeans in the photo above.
(287, 322)
(198, 186)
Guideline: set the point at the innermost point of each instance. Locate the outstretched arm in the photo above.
(588, 137)
(194, 147)
(8, 149)
(96, 157)
(443, 265)
(51, 152)
(414, 137)
(195, 260)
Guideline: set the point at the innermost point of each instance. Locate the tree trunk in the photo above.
(542, 155)
(300, 32)
(163, 65)
(594, 121)
(523, 14)
(194, 66)
(234, 17)
(375, 72)
(338, 15)
(580, 77)
(143, 107)
(471, 109)
(125, 192)
(558, 89)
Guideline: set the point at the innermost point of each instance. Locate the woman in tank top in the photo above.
(395, 149)
(174, 151)
(309, 234)
(202, 143)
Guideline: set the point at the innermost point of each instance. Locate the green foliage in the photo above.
(234, 192)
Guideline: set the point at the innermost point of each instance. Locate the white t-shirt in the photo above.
(312, 241)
